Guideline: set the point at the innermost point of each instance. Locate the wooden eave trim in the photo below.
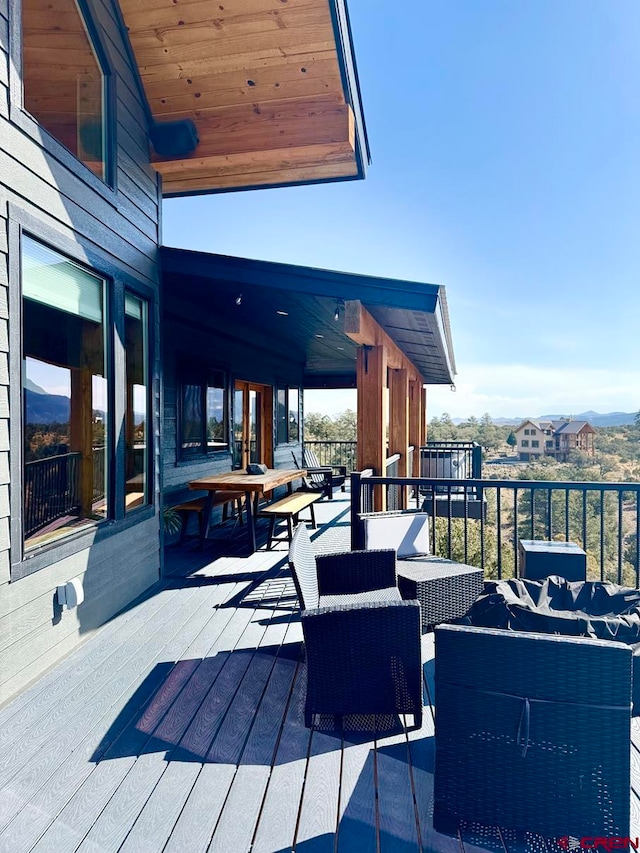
(364, 330)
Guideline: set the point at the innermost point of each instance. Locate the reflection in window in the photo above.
(238, 427)
(294, 414)
(288, 415)
(64, 82)
(136, 421)
(192, 418)
(281, 409)
(64, 395)
(203, 420)
(216, 434)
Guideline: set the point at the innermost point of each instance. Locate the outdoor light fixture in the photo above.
(336, 314)
(239, 299)
(319, 336)
(453, 387)
(283, 313)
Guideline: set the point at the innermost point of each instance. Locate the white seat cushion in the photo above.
(407, 533)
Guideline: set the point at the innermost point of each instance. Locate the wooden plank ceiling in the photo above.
(261, 80)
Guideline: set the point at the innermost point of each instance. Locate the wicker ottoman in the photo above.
(445, 589)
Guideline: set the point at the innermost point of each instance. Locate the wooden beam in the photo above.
(361, 327)
(290, 124)
(249, 162)
(399, 418)
(423, 417)
(416, 418)
(371, 371)
(257, 179)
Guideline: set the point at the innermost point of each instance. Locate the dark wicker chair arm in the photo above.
(364, 658)
(356, 571)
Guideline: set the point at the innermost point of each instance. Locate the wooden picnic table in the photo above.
(253, 485)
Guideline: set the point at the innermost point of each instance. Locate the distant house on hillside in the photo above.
(554, 438)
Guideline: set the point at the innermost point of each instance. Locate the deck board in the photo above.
(357, 816)
(280, 807)
(179, 728)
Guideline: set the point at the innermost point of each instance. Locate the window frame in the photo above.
(286, 388)
(189, 373)
(22, 118)
(525, 442)
(149, 490)
(96, 260)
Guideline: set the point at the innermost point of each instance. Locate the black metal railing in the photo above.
(461, 459)
(51, 490)
(603, 518)
(52, 487)
(335, 452)
(99, 472)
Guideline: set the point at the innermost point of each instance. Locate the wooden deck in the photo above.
(179, 728)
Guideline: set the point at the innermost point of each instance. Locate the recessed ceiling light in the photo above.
(283, 313)
(319, 336)
(342, 348)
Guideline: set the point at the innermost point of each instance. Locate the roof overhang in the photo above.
(270, 85)
(304, 310)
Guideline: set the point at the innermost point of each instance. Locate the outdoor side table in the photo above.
(444, 588)
(540, 559)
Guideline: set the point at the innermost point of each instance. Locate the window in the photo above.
(287, 415)
(136, 421)
(294, 414)
(549, 443)
(204, 421)
(535, 443)
(533, 432)
(281, 415)
(526, 432)
(64, 80)
(525, 442)
(65, 396)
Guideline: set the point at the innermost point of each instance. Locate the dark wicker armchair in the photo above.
(362, 640)
(532, 732)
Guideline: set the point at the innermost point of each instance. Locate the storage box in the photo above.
(539, 559)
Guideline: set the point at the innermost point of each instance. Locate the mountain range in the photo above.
(596, 419)
(43, 408)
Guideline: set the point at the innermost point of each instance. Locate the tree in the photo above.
(511, 439)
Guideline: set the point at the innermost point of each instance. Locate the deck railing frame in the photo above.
(606, 513)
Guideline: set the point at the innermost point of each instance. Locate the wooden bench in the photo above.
(198, 505)
(290, 508)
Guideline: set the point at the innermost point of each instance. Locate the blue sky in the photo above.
(505, 137)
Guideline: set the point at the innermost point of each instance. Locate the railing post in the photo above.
(476, 462)
(356, 499)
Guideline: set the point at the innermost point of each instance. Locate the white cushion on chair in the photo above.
(407, 533)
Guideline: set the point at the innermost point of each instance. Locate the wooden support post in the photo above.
(423, 417)
(415, 416)
(399, 418)
(81, 434)
(399, 423)
(372, 380)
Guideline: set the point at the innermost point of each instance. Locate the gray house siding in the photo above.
(53, 197)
